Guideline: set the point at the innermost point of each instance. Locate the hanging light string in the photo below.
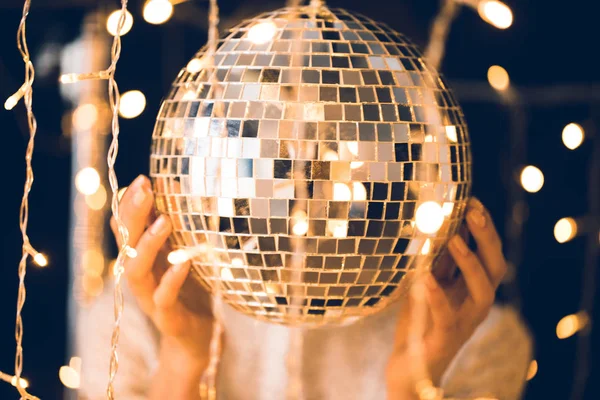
(434, 53)
(25, 92)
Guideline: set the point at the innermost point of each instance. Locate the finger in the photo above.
(480, 288)
(135, 208)
(167, 293)
(489, 245)
(442, 312)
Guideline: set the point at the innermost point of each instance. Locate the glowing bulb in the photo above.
(571, 324)
(429, 217)
(22, 381)
(11, 102)
(85, 117)
(299, 223)
(359, 192)
(498, 77)
(96, 200)
(532, 370)
(572, 136)
(495, 13)
(565, 229)
(112, 22)
(262, 32)
(40, 260)
(532, 179)
(93, 262)
(69, 374)
(158, 11)
(87, 181)
(451, 133)
(132, 104)
(178, 256)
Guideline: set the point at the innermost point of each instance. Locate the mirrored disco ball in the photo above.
(315, 163)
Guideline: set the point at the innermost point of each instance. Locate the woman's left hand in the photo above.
(456, 306)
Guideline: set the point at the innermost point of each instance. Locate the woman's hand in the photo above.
(185, 336)
(456, 306)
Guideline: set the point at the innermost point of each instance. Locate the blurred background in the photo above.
(548, 52)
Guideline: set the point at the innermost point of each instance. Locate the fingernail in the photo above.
(159, 226)
(140, 191)
(459, 245)
(476, 217)
(475, 203)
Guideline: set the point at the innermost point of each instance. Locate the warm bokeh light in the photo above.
(426, 247)
(112, 22)
(132, 104)
(40, 260)
(92, 261)
(352, 147)
(572, 136)
(96, 200)
(226, 274)
(533, 369)
(341, 192)
(178, 256)
(565, 229)
(70, 374)
(495, 13)
(359, 192)
(237, 262)
(85, 117)
(299, 223)
(451, 133)
(498, 77)
(92, 285)
(87, 181)
(571, 324)
(330, 155)
(158, 11)
(532, 179)
(195, 65)
(356, 164)
(337, 227)
(262, 32)
(24, 383)
(429, 217)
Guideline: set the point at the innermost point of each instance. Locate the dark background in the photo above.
(550, 43)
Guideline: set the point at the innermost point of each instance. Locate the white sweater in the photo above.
(339, 363)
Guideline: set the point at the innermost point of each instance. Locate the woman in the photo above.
(473, 348)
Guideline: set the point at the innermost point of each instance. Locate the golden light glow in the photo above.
(96, 200)
(447, 208)
(299, 223)
(132, 104)
(337, 227)
(195, 65)
(359, 192)
(565, 229)
(226, 274)
(571, 324)
(341, 192)
(426, 247)
(262, 32)
(451, 133)
(158, 11)
(70, 374)
(498, 77)
(330, 155)
(92, 261)
(237, 262)
(85, 117)
(352, 147)
(429, 217)
(87, 181)
(40, 260)
(112, 22)
(178, 256)
(24, 383)
(533, 369)
(495, 13)
(572, 136)
(356, 164)
(11, 102)
(532, 179)
(92, 285)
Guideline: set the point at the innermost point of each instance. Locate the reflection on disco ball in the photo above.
(320, 159)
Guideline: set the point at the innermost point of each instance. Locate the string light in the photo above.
(13, 380)
(262, 33)
(571, 324)
(532, 179)
(87, 181)
(73, 77)
(158, 12)
(498, 78)
(40, 260)
(69, 375)
(495, 13)
(532, 370)
(429, 217)
(572, 136)
(12, 101)
(112, 23)
(565, 229)
(132, 104)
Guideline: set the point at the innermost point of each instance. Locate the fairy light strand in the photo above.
(25, 92)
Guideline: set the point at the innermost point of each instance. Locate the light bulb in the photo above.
(495, 13)
(11, 102)
(532, 179)
(158, 11)
(262, 32)
(40, 260)
(132, 104)
(571, 324)
(22, 381)
(84, 117)
(429, 217)
(565, 229)
(112, 22)
(87, 181)
(498, 77)
(572, 136)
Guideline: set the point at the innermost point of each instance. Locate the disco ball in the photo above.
(314, 163)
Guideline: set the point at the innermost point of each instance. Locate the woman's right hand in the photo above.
(185, 336)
